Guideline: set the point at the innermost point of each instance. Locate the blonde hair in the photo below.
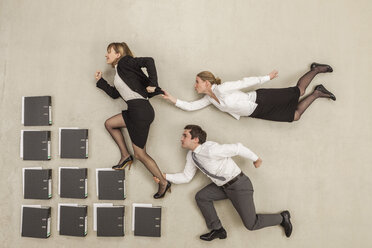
(207, 75)
(121, 48)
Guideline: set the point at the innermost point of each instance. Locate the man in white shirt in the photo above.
(214, 160)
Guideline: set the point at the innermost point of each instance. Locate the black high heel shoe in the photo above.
(314, 65)
(322, 89)
(124, 164)
(168, 187)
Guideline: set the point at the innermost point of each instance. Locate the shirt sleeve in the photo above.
(149, 64)
(185, 176)
(244, 83)
(195, 105)
(110, 90)
(231, 150)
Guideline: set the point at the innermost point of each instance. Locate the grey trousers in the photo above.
(240, 194)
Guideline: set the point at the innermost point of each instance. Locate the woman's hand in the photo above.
(273, 74)
(257, 163)
(169, 97)
(150, 89)
(98, 75)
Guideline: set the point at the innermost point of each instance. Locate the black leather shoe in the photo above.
(314, 65)
(286, 223)
(168, 187)
(220, 233)
(322, 89)
(124, 164)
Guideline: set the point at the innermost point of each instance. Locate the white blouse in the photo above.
(231, 99)
(124, 90)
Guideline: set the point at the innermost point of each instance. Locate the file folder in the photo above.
(146, 220)
(37, 110)
(35, 221)
(73, 143)
(108, 220)
(37, 183)
(110, 184)
(35, 145)
(72, 219)
(73, 182)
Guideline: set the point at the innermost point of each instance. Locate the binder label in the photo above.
(86, 187)
(86, 148)
(85, 225)
(49, 188)
(48, 227)
(50, 115)
(49, 150)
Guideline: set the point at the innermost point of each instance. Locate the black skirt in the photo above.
(276, 104)
(138, 118)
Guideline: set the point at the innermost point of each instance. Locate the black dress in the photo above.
(140, 114)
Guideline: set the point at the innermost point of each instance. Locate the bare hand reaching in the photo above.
(169, 97)
(273, 74)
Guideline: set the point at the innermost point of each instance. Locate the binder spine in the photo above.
(49, 156)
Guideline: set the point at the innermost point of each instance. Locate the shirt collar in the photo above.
(214, 86)
(197, 149)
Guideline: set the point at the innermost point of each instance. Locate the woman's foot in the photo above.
(323, 92)
(124, 162)
(163, 188)
(321, 67)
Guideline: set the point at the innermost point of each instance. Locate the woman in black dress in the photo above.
(135, 88)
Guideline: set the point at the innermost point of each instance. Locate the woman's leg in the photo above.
(306, 79)
(308, 100)
(151, 165)
(113, 126)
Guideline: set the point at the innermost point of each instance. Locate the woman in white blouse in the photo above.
(270, 104)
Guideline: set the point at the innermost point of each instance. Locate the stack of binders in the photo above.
(73, 182)
(37, 110)
(72, 219)
(35, 221)
(35, 145)
(73, 143)
(108, 220)
(146, 220)
(37, 183)
(110, 184)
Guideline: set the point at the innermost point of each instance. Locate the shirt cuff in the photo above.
(265, 79)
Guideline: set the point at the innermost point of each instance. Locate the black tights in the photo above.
(113, 126)
(302, 84)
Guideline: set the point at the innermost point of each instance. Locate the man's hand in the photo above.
(150, 89)
(273, 74)
(157, 180)
(257, 163)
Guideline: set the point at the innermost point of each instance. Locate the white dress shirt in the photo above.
(231, 99)
(216, 159)
(124, 90)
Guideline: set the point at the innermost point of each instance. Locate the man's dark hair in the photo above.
(197, 132)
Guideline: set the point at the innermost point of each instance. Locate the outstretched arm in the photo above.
(185, 176)
(231, 150)
(188, 106)
(247, 82)
(102, 84)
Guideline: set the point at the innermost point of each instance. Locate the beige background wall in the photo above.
(318, 168)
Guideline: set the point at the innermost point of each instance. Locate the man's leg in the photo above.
(204, 198)
(241, 195)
